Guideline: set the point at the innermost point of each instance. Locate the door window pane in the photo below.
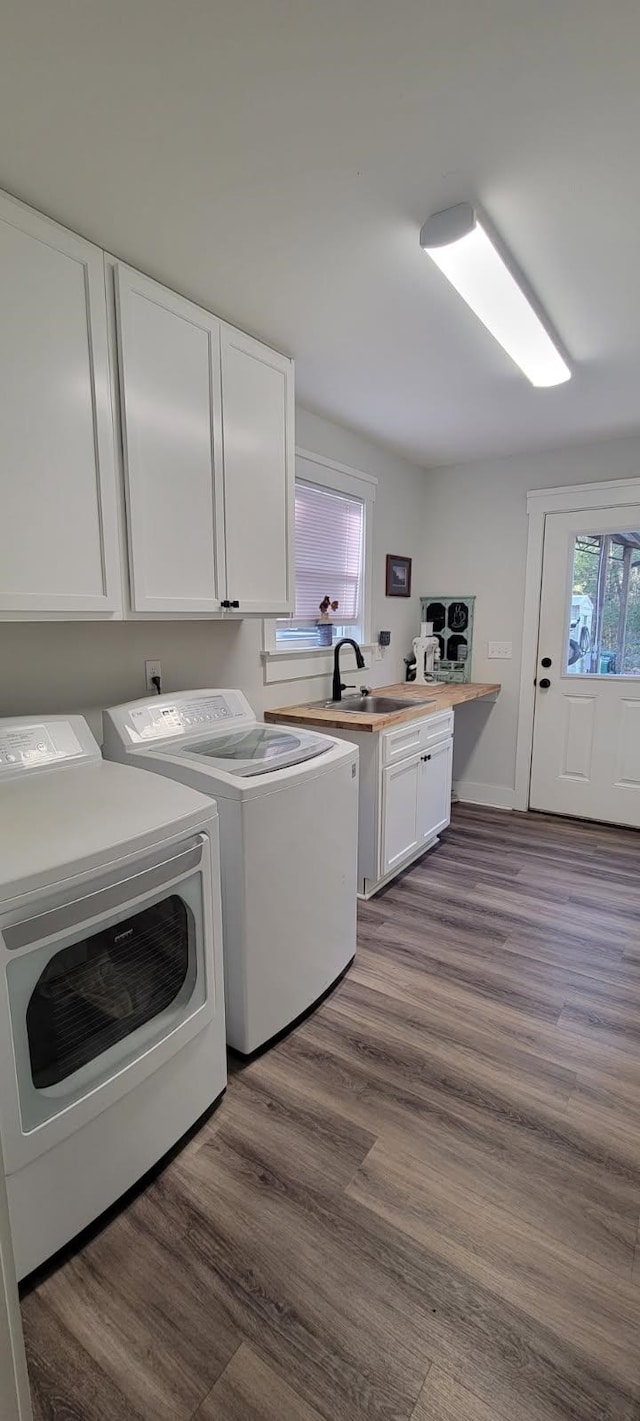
(96, 992)
(604, 619)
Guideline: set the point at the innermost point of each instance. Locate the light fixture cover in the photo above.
(459, 243)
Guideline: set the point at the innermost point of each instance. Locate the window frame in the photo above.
(295, 663)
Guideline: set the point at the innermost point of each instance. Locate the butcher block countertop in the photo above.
(443, 697)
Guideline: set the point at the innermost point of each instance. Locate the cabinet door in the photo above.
(58, 520)
(169, 357)
(399, 813)
(258, 424)
(434, 791)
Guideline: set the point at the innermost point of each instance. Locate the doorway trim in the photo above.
(570, 498)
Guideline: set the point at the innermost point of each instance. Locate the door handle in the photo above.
(544, 684)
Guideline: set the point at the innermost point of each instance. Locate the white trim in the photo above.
(571, 498)
(304, 665)
(338, 469)
(495, 796)
(580, 497)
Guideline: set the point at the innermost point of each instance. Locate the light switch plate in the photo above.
(500, 650)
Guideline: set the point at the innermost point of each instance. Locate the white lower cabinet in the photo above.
(405, 794)
(434, 791)
(416, 803)
(400, 833)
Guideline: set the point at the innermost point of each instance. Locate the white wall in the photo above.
(475, 541)
(64, 666)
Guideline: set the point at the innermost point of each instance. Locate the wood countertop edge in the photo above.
(446, 697)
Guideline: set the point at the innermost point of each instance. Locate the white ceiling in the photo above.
(274, 159)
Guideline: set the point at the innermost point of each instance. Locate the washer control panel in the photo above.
(167, 717)
(38, 744)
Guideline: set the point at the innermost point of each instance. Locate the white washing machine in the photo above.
(288, 806)
(112, 1038)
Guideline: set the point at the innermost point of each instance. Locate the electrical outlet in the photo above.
(500, 650)
(151, 669)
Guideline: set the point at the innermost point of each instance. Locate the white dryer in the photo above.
(288, 806)
(112, 1039)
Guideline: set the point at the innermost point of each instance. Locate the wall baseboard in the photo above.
(495, 796)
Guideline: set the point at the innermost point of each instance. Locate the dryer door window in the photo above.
(101, 989)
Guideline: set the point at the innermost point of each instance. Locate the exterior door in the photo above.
(586, 747)
(169, 354)
(58, 521)
(434, 791)
(257, 405)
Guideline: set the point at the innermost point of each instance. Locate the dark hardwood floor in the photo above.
(424, 1202)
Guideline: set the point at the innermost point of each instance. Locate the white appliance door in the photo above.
(259, 750)
(99, 990)
(586, 751)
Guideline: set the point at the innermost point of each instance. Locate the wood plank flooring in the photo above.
(423, 1204)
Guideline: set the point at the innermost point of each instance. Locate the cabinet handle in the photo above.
(234, 604)
(226, 603)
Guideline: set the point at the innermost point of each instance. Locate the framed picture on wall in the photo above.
(398, 576)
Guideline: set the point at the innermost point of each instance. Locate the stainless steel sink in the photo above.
(372, 705)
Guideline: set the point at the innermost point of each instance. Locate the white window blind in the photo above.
(330, 561)
(329, 552)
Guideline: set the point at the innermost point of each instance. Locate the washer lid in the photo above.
(258, 750)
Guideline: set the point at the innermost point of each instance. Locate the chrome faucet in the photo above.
(338, 685)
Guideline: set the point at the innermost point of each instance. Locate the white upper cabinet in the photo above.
(258, 446)
(207, 425)
(58, 521)
(169, 362)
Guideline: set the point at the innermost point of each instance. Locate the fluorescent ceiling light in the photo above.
(459, 243)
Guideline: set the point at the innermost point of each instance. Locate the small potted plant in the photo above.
(324, 624)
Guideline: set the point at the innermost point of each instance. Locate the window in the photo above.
(95, 992)
(333, 508)
(329, 552)
(604, 621)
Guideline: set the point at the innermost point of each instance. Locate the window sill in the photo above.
(302, 664)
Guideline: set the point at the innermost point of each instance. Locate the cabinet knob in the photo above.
(226, 603)
(425, 757)
(234, 604)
